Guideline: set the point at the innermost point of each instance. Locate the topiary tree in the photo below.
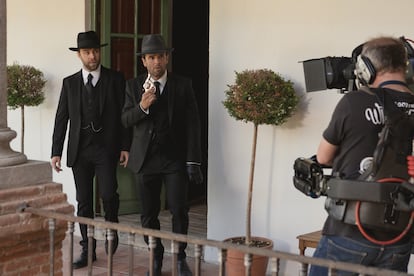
(261, 97)
(24, 88)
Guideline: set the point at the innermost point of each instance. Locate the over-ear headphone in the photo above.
(364, 70)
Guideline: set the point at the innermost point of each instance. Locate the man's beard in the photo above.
(92, 66)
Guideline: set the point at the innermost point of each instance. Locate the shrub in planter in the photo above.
(262, 97)
(24, 88)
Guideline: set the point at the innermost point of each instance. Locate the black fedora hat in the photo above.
(153, 44)
(87, 40)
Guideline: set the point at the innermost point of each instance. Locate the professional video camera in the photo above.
(338, 72)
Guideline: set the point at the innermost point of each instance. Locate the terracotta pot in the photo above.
(235, 258)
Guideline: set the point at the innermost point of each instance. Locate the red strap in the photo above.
(410, 165)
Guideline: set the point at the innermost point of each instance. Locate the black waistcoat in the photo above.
(91, 129)
(161, 155)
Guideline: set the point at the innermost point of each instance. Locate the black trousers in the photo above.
(95, 160)
(176, 187)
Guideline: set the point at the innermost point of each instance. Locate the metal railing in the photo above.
(275, 257)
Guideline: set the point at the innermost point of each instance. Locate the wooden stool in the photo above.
(308, 240)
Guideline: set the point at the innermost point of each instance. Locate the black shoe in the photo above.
(115, 242)
(183, 269)
(83, 260)
(157, 268)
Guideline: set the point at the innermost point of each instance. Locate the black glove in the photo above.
(194, 173)
(313, 158)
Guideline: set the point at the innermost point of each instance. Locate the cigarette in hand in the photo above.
(148, 84)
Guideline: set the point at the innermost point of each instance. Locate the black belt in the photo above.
(377, 208)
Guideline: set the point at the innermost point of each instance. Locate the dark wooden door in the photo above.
(190, 39)
(123, 23)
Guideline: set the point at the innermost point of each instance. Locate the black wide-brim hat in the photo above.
(153, 44)
(88, 40)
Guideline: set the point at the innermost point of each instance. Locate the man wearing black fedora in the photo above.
(162, 110)
(91, 103)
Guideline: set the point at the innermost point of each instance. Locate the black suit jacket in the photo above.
(115, 136)
(183, 117)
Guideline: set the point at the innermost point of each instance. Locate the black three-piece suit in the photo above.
(96, 138)
(163, 142)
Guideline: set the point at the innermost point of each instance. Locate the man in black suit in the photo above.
(91, 101)
(162, 110)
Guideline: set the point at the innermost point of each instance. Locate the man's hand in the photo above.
(194, 173)
(55, 162)
(148, 98)
(123, 158)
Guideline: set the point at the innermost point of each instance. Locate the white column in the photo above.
(8, 157)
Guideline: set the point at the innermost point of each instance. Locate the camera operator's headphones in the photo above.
(364, 70)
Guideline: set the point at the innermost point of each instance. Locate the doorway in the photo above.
(123, 23)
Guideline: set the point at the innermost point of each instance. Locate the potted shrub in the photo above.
(24, 88)
(261, 97)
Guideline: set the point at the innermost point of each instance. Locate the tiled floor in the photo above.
(141, 257)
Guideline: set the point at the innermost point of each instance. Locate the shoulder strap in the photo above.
(390, 109)
(395, 140)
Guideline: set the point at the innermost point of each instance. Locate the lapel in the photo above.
(75, 86)
(104, 86)
(171, 86)
(138, 88)
(77, 93)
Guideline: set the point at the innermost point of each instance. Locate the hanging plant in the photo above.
(24, 88)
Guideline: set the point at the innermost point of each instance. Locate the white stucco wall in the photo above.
(244, 34)
(278, 34)
(39, 34)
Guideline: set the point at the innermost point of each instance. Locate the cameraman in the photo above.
(349, 142)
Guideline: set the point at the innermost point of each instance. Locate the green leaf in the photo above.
(261, 96)
(24, 86)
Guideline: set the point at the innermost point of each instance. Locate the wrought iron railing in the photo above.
(275, 257)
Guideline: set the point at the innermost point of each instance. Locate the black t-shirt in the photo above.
(354, 127)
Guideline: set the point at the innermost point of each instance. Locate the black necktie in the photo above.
(89, 87)
(157, 89)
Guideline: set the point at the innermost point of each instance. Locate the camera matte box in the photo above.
(315, 74)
